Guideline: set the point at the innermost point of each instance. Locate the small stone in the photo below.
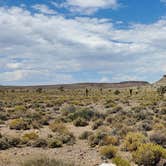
(106, 164)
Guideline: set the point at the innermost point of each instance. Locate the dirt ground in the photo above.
(80, 153)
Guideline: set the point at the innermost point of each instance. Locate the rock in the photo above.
(106, 164)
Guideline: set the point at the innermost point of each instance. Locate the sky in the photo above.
(69, 41)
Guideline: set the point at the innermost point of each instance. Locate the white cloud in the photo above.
(87, 6)
(13, 65)
(104, 80)
(122, 77)
(12, 76)
(44, 9)
(40, 49)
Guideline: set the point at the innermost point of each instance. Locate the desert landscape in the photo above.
(82, 83)
(83, 124)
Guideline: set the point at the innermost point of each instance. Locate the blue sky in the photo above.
(67, 41)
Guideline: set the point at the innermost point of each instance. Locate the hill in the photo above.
(88, 85)
(162, 81)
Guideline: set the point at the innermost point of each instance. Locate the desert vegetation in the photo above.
(82, 126)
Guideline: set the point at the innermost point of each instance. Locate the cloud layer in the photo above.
(90, 6)
(47, 49)
(43, 9)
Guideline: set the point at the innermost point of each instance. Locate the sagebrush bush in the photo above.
(163, 111)
(86, 114)
(159, 137)
(133, 140)
(14, 141)
(3, 116)
(40, 143)
(54, 143)
(85, 135)
(18, 111)
(97, 124)
(120, 161)
(109, 103)
(68, 109)
(80, 122)
(102, 138)
(58, 127)
(9, 142)
(96, 138)
(108, 139)
(149, 154)
(4, 143)
(145, 126)
(19, 124)
(116, 92)
(109, 151)
(67, 138)
(20, 108)
(29, 136)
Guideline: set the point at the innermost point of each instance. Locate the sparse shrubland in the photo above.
(45, 161)
(123, 126)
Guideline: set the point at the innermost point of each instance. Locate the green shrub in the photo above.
(83, 113)
(102, 138)
(93, 140)
(3, 116)
(110, 103)
(67, 138)
(149, 154)
(159, 137)
(8, 142)
(120, 162)
(163, 111)
(19, 124)
(85, 135)
(4, 143)
(54, 143)
(80, 122)
(116, 92)
(19, 111)
(20, 108)
(97, 124)
(133, 141)
(96, 138)
(58, 127)
(14, 141)
(29, 137)
(108, 139)
(145, 126)
(36, 124)
(39, 143)
(63, 133)
(108, 151)
(68, 110)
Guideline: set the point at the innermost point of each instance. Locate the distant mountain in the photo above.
(90, 85)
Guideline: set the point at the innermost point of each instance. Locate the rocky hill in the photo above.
(162, 81)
